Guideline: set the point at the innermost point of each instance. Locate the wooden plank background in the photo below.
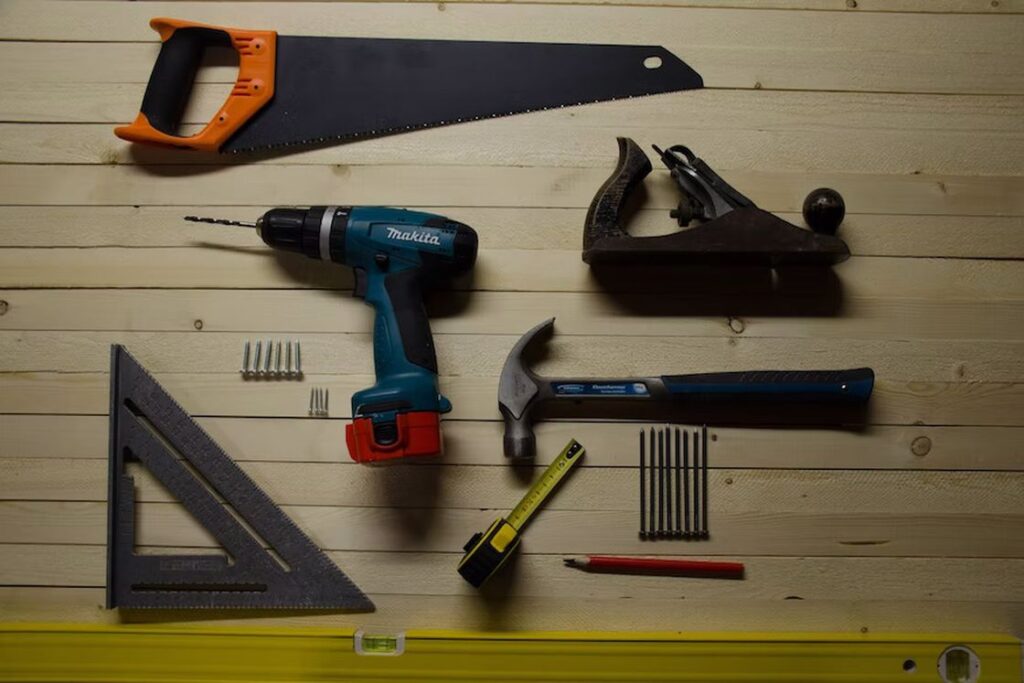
(913, 109)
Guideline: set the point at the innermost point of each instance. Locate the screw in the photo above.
(277, 363)
(256, 368)
(312, 398)
(269, 359)
(245, 360)
(298, 359)
(289, 371)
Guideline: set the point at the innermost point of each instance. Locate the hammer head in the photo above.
(518, 391)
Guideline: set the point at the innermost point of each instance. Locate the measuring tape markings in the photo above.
(487, 551)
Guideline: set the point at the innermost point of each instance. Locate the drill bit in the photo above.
(219, 221)
(643, 501)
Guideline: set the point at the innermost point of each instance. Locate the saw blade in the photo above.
(338, 89)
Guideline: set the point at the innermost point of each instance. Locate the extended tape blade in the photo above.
(336, 89)
(543, 487)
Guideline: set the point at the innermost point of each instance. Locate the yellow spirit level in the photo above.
(488, 550)
(144, 653)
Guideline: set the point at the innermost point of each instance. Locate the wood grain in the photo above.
(781, 58)
(908, 518)
(493, 612)
(381, 573)
(893, 403)
(473, 443)
(731, 129)
(483, 186)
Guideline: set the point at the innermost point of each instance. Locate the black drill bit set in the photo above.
(674, 485)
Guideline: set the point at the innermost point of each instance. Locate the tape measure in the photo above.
(488, 550)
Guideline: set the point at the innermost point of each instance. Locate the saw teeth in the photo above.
(352, 137)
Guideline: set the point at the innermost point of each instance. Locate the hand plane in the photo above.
(726, 228)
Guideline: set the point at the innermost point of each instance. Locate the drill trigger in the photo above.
(359, 286)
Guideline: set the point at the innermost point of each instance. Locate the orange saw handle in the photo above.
(170, 83)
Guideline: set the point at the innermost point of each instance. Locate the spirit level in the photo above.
(147, 653)
(488, 550)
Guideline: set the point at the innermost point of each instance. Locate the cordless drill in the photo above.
(395, 254)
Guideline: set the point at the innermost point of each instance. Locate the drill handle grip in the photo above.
(401, 332)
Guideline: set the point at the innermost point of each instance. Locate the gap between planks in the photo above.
(815, 531)
(892, 404)
(951, 236)
(979, 59)
(470, 442)
(553, 613)
(769, 578)
(748, 492)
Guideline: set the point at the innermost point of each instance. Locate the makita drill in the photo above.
(395, 254)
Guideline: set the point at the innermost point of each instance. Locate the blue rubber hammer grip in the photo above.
(850, 386)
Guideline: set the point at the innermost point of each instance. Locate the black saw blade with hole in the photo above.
(336, 89)
(268, 562)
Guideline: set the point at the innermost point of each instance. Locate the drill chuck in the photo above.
(318, 232)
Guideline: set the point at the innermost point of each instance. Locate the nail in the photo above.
(686, 483)
(669, 530)
(660, 482)
(679, 482)
(696, 484)
(651, 503)
(643, 501)
(704, 476)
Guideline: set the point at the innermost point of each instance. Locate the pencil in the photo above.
(611, 563)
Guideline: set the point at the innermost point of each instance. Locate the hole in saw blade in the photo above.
(652, 63)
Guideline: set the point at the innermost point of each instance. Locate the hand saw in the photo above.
(302, 90)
